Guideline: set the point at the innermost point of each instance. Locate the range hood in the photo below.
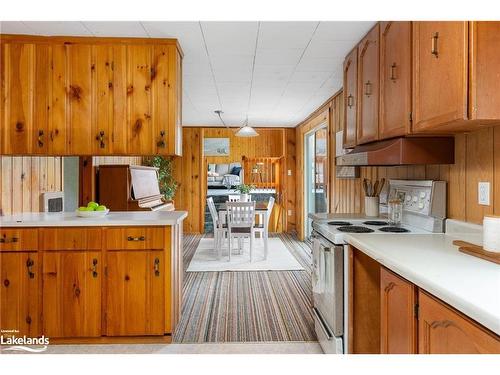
(402, 151)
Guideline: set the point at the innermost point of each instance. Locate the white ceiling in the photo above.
(277, 73)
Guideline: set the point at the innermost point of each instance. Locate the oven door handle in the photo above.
(325, 330)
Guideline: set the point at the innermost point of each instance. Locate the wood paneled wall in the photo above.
(190, 169)
(477, 158)
(24, 178)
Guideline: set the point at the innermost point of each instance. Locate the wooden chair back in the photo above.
(240, 214)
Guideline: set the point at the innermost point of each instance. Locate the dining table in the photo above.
(260, 211)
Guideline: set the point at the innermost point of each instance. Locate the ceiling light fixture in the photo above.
(244, 131)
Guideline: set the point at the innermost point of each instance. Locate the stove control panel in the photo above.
(424, 197)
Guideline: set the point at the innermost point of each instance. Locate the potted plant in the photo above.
(168, 185)
(244, 191)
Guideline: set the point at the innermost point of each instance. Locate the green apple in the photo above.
(82, 208)
(101, 208)
(92, 206)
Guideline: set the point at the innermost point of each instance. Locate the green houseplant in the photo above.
(244, 190)
(168, 185)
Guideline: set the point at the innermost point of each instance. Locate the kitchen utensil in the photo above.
(365, 186)
(477, 251)
(375, 189)
(380, 186)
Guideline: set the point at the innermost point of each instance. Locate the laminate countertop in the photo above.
(430, 261)
(118, 218)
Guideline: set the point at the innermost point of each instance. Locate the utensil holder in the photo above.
(372, 206)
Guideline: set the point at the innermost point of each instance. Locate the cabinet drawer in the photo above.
(18, 239)
(135, 238)
(71, 238)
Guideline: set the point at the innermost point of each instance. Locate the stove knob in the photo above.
(415, 199)
(408, 198)
(422, 194)
(421, 205)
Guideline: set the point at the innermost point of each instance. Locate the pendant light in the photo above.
(246, 131)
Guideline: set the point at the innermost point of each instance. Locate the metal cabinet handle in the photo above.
(40, 138)
(141, 238)
(389, 287)
(350, 101)
(161, 143)
(100, 138)
(29, 266)
(434, 44)
(393, 72)
(368, 88)
(9, 240)
(94, 268)
(157, 267)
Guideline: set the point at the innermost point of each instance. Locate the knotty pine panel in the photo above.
(24, 178)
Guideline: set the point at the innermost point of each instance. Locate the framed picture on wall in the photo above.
(216, 146)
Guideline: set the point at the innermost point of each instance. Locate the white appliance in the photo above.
(52, 201)
(423, 213)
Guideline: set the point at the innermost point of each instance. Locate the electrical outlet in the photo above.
(289, 172)
(484, 193)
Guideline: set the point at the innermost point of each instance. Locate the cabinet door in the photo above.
(19, 293)
(81, 70)
(368, 87)
(442, 330)
(41, 99)
(160, 81)
(135, 293)
(72, 293)
(58, 124)
(398, 326)
(140, 130)
(440, 65)
(395, 79)
(350, 98)
(17, 131)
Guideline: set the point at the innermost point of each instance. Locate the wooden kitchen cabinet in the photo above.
(398, 323)
(350, 98)
(443, 330)
(135, 299)
(20, 293)
(87, 96)
(368, 87)
(72, 282)
(395, 79)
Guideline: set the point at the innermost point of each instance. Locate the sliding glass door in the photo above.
(316, 174)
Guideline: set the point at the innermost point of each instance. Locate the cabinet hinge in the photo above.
(410, 116)
(415, 311)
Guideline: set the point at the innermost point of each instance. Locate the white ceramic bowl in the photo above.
(92, 213)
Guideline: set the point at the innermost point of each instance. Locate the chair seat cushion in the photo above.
(259, 226)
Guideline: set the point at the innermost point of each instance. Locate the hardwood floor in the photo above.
(247, 306)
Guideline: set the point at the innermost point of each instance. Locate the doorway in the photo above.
(316, 174)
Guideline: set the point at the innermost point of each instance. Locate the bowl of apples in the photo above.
(92, 209)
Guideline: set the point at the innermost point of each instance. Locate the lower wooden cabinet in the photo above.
(19, 293)
(72, 284)
(443, 330)
(135, 293)
(398, 323)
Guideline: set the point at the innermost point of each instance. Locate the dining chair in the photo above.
(234, 197)
(220, 229)
(263, 227)
(241, 223)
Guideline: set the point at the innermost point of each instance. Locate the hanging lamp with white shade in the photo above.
(246, 131)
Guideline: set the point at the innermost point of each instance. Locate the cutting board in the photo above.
(477, 251)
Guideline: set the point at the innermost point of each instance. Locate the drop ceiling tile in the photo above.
(278, 56)
(328, 49)
(51, 28)
(230, 37)
(319, 64)
(310, 77)
(285, 34)
(14, 27)
(116, 28)
(343, 30)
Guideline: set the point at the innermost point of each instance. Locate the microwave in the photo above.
(52, 201)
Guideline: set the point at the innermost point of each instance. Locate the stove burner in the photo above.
(394, 229)
(343, 223)
(375, 222)
(355, 229)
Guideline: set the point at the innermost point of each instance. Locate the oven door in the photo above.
(328, 284)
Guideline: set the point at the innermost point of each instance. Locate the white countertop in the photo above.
(118, 218)
(432, 262)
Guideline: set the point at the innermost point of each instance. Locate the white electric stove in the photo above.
(424, 208)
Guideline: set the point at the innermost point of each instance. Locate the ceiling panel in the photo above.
(53, 28)
(343, 30)
(14, 27)
(230, 37)
(114, 29)
(286, 34)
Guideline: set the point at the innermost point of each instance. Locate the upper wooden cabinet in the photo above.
(395, 79)
(442, 330)
(368, 87)
(350, 98)
(86, 96)
(398, 325)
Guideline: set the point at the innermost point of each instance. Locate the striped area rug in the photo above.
(247, 306)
